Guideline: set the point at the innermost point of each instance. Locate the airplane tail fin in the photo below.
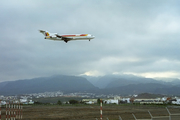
(45, 33)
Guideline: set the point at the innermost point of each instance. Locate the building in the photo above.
(31, 102)
(24, 101)
(3, 102)
(111, 101)
(148, 101)
(177, 102)
(125, 100)
(88, 100)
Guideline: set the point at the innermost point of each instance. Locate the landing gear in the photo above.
(65, 41)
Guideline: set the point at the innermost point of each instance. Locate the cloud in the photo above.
(131, 37)
(167, 74)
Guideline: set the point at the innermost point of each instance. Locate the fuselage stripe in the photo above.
(74, 35)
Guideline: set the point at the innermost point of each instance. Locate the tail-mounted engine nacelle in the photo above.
(50, 37)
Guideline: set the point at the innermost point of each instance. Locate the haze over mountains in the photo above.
(109, 84)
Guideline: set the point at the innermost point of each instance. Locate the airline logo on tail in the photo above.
(46, 34)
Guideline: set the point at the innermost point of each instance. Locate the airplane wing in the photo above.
(59, 36)
(64, 38)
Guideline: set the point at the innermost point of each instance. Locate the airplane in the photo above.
(66, 37)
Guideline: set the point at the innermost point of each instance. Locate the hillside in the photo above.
(134, 88)
(149, 96)
(154, 88)
(54, 83)
(111, 81)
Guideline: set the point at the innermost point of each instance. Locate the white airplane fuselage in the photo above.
(66, 37)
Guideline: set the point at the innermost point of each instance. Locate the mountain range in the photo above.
(108, 84)
(46, 84)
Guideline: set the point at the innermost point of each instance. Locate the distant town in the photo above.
(92, 98)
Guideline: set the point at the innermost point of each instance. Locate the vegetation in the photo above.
(98, 100)
(59, 102)
(55, 99)
(73, 102)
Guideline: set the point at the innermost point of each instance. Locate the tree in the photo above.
(98, 100)
(59, 102)
(73, 102)
(36, 102)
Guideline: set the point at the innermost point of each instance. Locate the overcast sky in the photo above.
(139, 37)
